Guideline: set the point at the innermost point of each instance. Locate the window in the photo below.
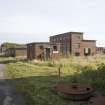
(51, 39)
(77, 54)
(54, 40)
(41, 47)
(55, 48)
(64, 38)
(60, 38)
(77, 45)
(78, 37)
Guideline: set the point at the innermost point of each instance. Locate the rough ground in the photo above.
(8, 95)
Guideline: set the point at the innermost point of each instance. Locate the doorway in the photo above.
(87, 51)
(47, 54)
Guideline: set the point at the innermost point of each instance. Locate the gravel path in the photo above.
(8, 95)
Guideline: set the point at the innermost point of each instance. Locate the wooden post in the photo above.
(59, 72)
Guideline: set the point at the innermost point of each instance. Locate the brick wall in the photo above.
(63, 40)
(31, 51)
(76, 39)
(39, 50)
(73, 43)
(36, 50)
(88, 44)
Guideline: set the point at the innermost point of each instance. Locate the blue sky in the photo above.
(25, 21)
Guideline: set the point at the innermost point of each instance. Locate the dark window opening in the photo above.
(55, 48)
(104, 51)
(47, 53)
(41, 47)
(77, 54)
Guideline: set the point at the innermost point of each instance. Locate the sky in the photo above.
(25, 21)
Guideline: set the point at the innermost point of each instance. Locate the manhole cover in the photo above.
(74, 91)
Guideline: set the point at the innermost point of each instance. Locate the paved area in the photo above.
(8, 95)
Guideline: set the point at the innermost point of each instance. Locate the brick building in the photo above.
(36, 50)
(73, 43)
(100, 50)
(42, 50)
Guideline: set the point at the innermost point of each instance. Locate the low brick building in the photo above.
(14, 52)
(88, 47)
(73, 43)
(36, 50)
(100, 50)
(41, 50)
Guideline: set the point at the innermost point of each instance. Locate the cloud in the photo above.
(35, 20)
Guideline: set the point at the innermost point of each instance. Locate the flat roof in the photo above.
(89, 40)
(101, 47)
(76, 32)
(39, 43)
(18, 48)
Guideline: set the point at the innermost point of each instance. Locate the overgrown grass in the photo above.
(36, 79)
(3, 58)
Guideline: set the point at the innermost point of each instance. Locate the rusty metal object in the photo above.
(74, 91)
(99, 100)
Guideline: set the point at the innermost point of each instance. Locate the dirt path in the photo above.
(8, 95)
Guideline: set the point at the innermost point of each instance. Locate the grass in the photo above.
(35, 79)
(3, 58)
